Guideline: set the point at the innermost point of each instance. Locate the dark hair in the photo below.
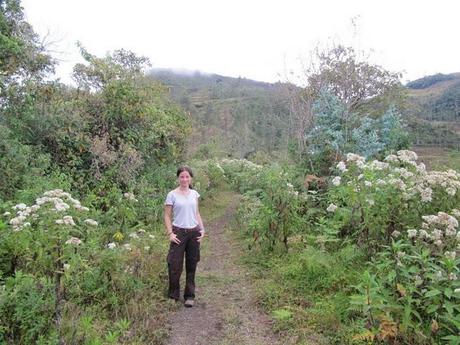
(186, 168)
(183, 168)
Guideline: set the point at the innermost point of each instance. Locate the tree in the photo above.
(357, 83)
(364, 89)
(22, 56)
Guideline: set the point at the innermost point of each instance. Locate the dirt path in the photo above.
(225, 311)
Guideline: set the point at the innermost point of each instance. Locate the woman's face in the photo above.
(185, 179)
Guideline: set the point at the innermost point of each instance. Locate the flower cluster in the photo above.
(241, 162)
(137, 235)
(130, 196)
(59, 201)
(439, 230)
(402, 172)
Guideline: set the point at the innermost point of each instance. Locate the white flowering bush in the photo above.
(407, 217)
(375, 198)
(57, 250)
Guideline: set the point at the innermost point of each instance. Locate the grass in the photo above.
(307, 289)
(438, 158)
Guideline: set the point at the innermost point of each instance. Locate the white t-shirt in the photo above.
(184, 208)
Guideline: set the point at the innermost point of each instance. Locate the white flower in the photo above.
(68, 220)
(336, 181)
(421, 168)
(20, 207)
(368, 183)
(17, 220)
(91, 222)
(133, 235)
(456, 213)
(81, 208)
(127, 246)
(59, 221)
(130, 196)
(141, 231)
(66, 267)
(111, 245)
(342, 166)
(450, 232)
(431, 219)
(289, 185)
(377, 165)
(423, 234)
(360, 176)
(331, 208)
(451, 191)
(426, 194)
(61, 206)
(351, 157)
(406, 155)
(360, 164)
(73, 240)
(395, 234)
(452, 276)
(146, 248)
(152, 237)
(450, 255)
(391, 158)
(371, 202)
(437, 234)
(411, 233)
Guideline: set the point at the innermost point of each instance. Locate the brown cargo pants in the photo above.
(191, 247)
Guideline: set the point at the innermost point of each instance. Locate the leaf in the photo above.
(365, 336)
(454, 339)
(449, 307)
(282, 314)
(401, 289)
(432, 293)
(448, 292)
(432, 308)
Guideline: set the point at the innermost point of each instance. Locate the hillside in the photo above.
(436, 110)
(239, 117)
(234, 116)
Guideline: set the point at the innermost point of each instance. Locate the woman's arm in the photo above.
(200, 222)
(168, 224)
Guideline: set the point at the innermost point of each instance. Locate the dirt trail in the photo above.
(225, 311)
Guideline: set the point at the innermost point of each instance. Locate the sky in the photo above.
(262, 40)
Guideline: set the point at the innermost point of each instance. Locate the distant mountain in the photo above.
(235, 116)
(436, 109)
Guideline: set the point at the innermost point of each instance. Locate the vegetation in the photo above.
(428, 81)
(353, 237)
(231, 116)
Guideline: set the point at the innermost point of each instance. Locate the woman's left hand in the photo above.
(202, 233)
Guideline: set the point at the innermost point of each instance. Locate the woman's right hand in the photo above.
(173, 238)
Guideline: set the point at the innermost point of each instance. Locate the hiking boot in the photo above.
(189, 303)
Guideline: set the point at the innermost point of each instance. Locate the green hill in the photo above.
(436, 110)
(234, 116)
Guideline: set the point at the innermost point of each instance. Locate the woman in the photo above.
(185, 231)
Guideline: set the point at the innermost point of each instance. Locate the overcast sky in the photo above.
(261, 40)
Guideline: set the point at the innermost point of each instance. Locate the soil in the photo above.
(225, 310)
